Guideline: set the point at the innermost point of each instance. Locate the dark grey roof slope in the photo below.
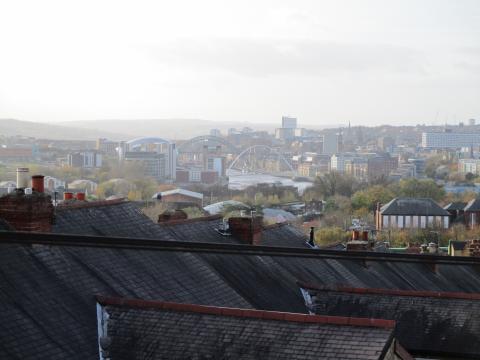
(49, 282)
(413, 206)
(428, 324)
(473, 205)
(123, 218)
(206, 230)
(455, 206)
(176, 331)
(106, 218)
(5, 226)
(283, 234)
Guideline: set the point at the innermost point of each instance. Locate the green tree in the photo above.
(420, 189)
(334, 183)
(369, 197)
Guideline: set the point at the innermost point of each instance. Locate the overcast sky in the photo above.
(325, 62)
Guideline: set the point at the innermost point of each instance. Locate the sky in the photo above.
(367, 62)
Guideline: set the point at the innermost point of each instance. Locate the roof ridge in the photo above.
(395, 292)
(192, 220)
(89, 204)
(29, 238)
(276, 225)
(247, 313)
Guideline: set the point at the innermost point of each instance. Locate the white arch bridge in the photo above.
(261, 159)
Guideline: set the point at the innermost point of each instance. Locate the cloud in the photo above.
(265, 57)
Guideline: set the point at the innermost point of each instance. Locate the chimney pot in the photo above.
(67, 196)
(22, 178)
(38, 184)
(81, 196)
(365, 235)
(355, 235)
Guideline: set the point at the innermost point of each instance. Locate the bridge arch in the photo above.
(207, 138)
(271, 150)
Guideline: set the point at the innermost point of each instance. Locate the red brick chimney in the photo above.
(37, 183)
(248, 229)
(27, 212)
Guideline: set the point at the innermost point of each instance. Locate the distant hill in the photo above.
(12, 127)
(174, 129)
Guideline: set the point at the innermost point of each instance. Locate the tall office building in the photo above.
(449, 140)
(331, 144)
(289, 122)
(159, 156)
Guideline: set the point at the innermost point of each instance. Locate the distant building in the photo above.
(153, 162)
(331, 144)
(385, 143)
(215, 132)
(213, 160)
(289, 122)
(285, 134)
(179, 196)
(466, 166)
(404, 171)
(337, 161)
(381, 166)
(51, 183)
(16, 153)
(288, 131)
(420, 164)
(412, 213)
(357, 168)
(85, 159)
(449, 140)
(196, 175)
(471, 122)
(106, 146)
(158, 155)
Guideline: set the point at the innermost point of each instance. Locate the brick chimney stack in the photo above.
(38, 184)
(33, 212)
(248, 229)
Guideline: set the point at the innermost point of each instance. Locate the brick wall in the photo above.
(28, 212)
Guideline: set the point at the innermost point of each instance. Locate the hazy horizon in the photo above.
(324, 62)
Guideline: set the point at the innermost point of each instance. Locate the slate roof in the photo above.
(49, 282)
(455, 206)
(125, 219)
(181, 331)
(205, 229)
(106, 218)
(427, 323)
(5, 226)
(413, 206)
(473, 205)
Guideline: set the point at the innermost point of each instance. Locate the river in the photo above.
(242, 181)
